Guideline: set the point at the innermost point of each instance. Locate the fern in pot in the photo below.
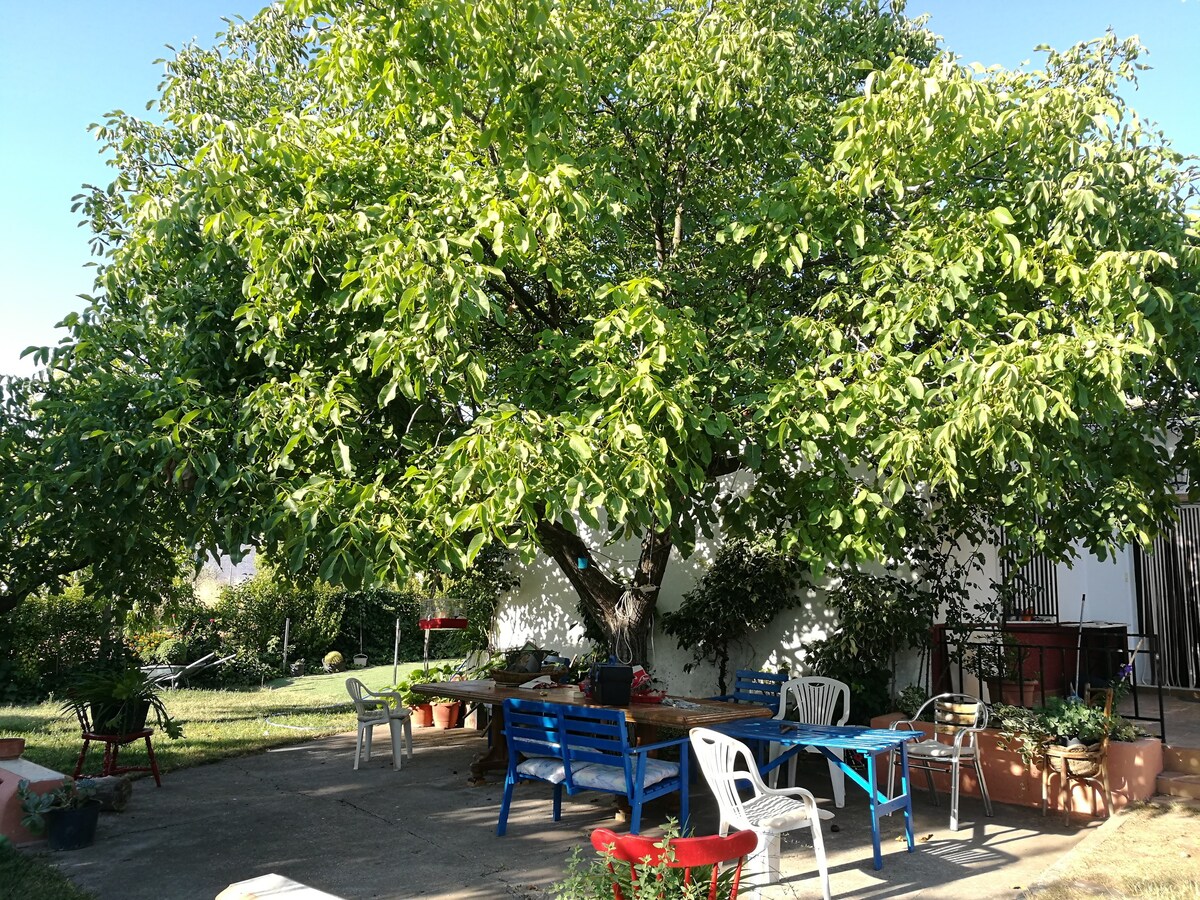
(118, 700)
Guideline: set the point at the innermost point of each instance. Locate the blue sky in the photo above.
(67, 62)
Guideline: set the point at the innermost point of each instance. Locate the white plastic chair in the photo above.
(768, 812)
(816, 701)
(372, 708)
(957, 721)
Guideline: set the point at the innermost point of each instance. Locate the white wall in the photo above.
(543, 610)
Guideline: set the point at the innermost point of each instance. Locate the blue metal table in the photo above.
(870, 742)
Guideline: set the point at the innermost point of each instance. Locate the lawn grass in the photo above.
(1154, 855)
(31, 877)
(216, 724)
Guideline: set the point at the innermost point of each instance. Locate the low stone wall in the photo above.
(1133, 767)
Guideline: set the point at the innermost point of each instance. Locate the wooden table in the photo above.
(646, 718)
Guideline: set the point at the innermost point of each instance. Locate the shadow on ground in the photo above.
(303, 812)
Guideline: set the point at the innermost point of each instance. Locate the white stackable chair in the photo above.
(768, 812)
(816, 701)
(372, 708)
(957, 721)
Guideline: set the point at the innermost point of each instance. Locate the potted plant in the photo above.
(119, 700)
(67, 815)
(1063, 728)
(418, 704)
(1003, 667)
(445, 709)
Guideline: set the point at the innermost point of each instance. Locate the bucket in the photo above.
(612, 685)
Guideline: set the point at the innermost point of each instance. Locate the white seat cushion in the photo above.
(547, 768)
(932, 749)
(778, 813)
(612, 778)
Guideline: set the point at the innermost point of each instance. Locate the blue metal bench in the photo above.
(762, 688)
(585, 748)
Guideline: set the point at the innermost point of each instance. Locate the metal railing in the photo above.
(1027, 663)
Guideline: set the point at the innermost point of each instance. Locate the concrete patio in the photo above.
(304, 813)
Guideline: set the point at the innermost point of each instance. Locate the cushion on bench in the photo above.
(547, 768)
(612, 778)
(595, 775)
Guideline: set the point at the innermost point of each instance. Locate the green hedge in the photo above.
(45, 640)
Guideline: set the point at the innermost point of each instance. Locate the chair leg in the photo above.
(1045, 785)
(837, 778)
(505, 801)
(766, 859)
(111, 750)
(684, 791)
(1108, 797)
(370, 732)
(396, 730)
(955, 775)
(153, 763)
(932, 789)
(987, 801)
(891, 767)
(1064, 793)
(82, 755)
(819, 850)
(558, 789)
(792, 770)
(772, 755)
(408, 735)
(635, 814)
(358, 747)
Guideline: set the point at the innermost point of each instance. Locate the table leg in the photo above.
(496, 756)
(873, 800)
(907, 793)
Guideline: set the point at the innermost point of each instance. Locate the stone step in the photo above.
(1178, 784)
(1182, 759)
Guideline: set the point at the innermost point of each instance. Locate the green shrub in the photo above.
(250, 614)
(46, 638)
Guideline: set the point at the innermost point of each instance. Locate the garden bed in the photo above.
(1133, 767)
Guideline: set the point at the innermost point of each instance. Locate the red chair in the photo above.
(112, 747)
(687, 852)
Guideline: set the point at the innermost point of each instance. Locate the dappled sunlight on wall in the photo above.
(541, 610)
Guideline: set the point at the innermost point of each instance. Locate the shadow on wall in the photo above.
(543, 610)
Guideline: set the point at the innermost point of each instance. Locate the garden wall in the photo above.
(1133, 767)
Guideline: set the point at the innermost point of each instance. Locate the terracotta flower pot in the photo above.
(11, 748)
(422, 716)
(445, 715)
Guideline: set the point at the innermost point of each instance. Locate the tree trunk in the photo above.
(626, 625)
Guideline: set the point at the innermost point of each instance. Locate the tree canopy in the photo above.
(391, 282)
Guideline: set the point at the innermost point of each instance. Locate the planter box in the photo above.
(1133, 767)
(40, 779)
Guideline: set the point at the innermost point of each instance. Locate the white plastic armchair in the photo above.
(957, 721)
(815, 701)
(373, 708)
(727, 763)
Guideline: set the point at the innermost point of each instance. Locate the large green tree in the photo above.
(399, 280)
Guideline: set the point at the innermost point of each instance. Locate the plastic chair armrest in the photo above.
(895, 726)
